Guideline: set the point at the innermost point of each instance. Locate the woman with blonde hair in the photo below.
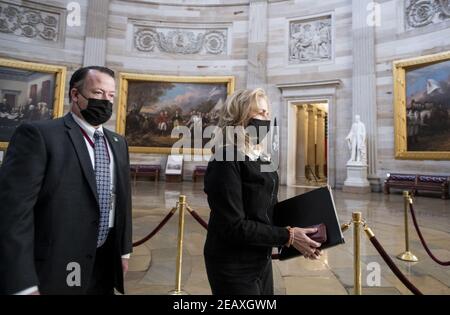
(241, 196)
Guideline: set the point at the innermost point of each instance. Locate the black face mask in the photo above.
(263, 124)
(97, 112)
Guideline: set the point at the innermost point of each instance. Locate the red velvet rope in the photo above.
(156, 230)
(427, 249)
(198, 218)
(393, 267)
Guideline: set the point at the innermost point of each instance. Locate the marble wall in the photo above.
(137, 42)
(40, 32)
(396, 39)
(314, 74)
(298, 50)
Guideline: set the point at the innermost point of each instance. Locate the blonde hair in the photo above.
(236, 112)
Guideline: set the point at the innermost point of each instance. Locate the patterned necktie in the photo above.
(103, 179)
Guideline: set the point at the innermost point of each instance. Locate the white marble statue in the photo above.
(356, 141)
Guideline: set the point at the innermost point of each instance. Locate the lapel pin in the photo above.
(115, 139)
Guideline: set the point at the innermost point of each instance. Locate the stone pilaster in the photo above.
(312, 112)
(302, 143)
(257, 44)
(96, 32)
(321, 143)
(364, 82)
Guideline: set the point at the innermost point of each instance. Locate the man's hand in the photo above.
(125, 265)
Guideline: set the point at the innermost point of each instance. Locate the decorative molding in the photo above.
(32, 22)
(198, 3)
(420, 13)
(313, 84)
(311, 40)
(180, 40)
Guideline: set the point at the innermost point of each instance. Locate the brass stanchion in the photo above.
(181, 208)
(407, 255)
(346, 226)
(357, 252)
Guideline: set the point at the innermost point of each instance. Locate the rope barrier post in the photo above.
(397, 272)
(181, 208)
(357, 252)
(407, 255)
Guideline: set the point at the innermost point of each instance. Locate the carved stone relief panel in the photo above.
(31, 21)
(419, 13)
(177, 40)
(310, 40)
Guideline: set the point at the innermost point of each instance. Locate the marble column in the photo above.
(312, 112)
(321, 142)
(96, 33)
(257, 44)
(364, 82)
(302, 144)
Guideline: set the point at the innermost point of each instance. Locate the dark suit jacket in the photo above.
(49, 208)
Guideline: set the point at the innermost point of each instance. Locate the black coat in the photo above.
(241, 199)
(49, 208)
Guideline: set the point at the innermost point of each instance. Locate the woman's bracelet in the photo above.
(291, 237)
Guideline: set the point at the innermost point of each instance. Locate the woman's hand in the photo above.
(304, 244)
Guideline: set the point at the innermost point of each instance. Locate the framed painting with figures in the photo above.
(28, 92)
(422, 107)
(152, 107)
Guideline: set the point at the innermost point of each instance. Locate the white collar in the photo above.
(90, 130)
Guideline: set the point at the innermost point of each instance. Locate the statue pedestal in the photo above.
(356, 181)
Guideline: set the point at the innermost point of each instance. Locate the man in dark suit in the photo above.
(65, 198)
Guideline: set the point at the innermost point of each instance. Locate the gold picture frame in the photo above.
(420, 99)
(142, 84)
(35, 85)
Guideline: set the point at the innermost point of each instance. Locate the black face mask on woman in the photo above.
(97, 112)
(262, 128)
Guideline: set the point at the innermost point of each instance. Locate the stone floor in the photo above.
(153, 264)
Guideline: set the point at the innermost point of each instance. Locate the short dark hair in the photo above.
(78, 77)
